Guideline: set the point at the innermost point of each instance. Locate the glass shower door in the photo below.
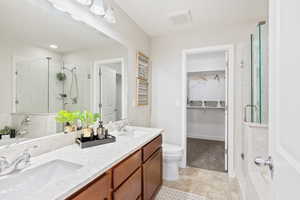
(259, 74)
(31, 86)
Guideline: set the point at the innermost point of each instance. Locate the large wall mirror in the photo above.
(49, 62)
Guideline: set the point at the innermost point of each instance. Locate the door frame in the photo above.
(95, 85)
(230, 102)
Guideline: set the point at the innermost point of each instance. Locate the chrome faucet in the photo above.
(21, 162)
(121, 125)
(23, 129)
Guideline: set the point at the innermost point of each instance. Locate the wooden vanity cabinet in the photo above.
(99, 189)
(138, 177)
(130, 189)
(125, 169)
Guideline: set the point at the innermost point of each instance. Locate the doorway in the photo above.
(207, 108)
(109, 89)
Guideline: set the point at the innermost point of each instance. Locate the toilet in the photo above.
(172, 155)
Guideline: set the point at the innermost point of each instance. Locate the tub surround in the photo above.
(95, 161)
(255, 181)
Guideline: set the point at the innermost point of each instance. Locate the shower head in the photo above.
(70, 69)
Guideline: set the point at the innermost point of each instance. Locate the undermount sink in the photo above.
(133, 133)
(36, 179)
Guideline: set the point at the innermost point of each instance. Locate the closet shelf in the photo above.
(204, 107)
(206, 71)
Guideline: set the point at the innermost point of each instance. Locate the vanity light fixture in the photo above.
(85, 2)
(98, 7)
(53, 46)
(110, 15)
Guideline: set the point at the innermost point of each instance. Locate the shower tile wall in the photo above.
(32, 84)
(84, 86)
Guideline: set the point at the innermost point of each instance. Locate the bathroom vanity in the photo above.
(129, 169)
(139, 176)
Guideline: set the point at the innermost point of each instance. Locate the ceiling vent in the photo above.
(181, 17)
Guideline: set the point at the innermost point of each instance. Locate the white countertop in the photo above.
(95, 161)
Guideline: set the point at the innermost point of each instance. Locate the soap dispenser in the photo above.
(100, 131)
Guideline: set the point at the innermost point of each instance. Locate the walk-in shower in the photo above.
(45, 85)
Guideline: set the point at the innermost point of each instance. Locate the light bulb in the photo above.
(98, 7)
(110, 16)
(53, 46)
(85, 2)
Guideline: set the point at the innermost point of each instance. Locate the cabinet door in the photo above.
(124, 169)
(151, 147)
(100, 189)
(131, 189)
(152, 175)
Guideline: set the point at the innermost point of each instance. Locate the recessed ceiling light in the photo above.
(85, 2)
(53, 46)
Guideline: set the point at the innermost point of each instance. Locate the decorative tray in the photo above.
(90, 143)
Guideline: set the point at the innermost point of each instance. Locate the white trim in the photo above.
(95, 81)
(14, 84)
(205, 137)
(230, 103)
(256, 125)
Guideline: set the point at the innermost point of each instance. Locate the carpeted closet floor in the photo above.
(206, 154)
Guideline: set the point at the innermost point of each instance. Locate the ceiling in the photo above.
(153, 16)
(41, 25)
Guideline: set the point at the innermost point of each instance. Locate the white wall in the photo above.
(206, 124)
(206, 61)
(166, 55)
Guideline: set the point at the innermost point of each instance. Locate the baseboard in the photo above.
(206, 137)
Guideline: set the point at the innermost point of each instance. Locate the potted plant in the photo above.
(88, 119)
(5, 131)
(68, 119)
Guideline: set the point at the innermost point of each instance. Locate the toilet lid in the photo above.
(170, 149)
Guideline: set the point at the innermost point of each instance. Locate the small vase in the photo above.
(87, 132)
(68, 129)
(74, 128)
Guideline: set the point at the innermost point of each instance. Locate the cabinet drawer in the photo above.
(151, 147)
(100, 189)
(130, 189)
(124, 169)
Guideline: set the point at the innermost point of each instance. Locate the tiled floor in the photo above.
(211, 184)
(206, 154)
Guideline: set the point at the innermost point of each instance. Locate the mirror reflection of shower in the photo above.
(70, 93)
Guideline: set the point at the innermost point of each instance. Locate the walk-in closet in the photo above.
(206, 110)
